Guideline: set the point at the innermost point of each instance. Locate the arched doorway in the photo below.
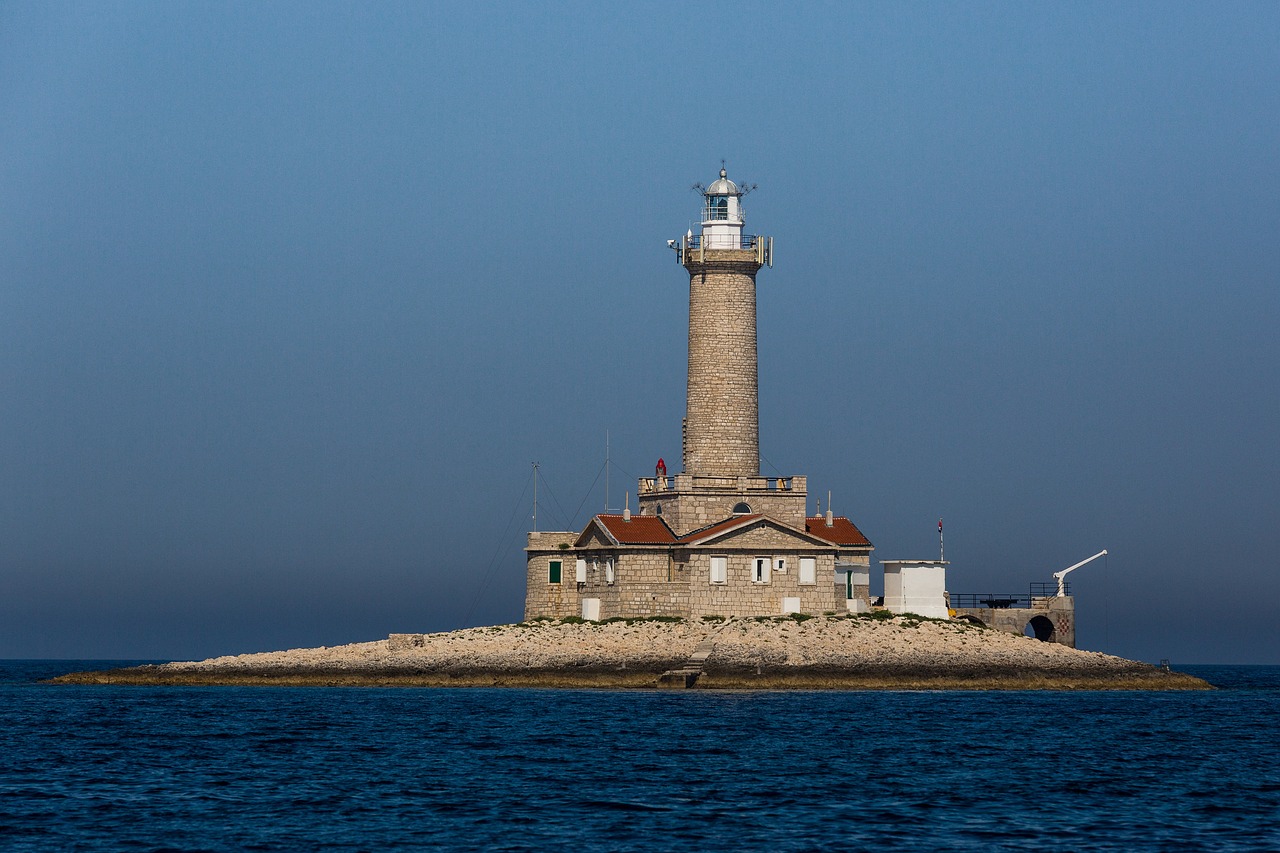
(1040, 627)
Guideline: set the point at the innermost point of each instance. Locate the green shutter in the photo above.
(555, 572)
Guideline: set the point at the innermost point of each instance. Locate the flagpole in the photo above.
(942, 552)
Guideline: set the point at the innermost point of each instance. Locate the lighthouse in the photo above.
(722, 411)
(717, 538)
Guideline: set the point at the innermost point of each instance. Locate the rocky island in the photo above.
(762, 653)
(717, 579)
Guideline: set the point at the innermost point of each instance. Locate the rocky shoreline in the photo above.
(784, 653)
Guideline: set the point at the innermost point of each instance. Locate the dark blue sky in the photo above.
(291, 296)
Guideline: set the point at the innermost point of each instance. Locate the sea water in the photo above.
(255, 768)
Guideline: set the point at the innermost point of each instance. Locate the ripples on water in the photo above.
(108, 768)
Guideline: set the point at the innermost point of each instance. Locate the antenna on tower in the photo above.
(535, 497)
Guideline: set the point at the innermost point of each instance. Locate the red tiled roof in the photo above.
(842, 531)
(640, 530)
(719, 527)
(653, 530)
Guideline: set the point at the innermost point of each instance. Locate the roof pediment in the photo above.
(753, 531)
(745, 531)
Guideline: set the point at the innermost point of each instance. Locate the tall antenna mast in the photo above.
(535, 497)
(606, 470)
(942, 553)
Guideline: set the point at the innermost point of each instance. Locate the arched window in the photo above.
(741, 509)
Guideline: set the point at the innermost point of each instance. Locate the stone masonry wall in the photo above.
(722, 418)
(1060, 613)
(646, 583)
(543, 598)
(685, 511)
(656, 582)
(741, 596)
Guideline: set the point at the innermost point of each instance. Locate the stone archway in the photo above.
(1040, 627)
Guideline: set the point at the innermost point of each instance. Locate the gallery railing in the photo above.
(1038, 592)
(746, 241)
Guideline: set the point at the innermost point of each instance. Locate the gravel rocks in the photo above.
(819, 652)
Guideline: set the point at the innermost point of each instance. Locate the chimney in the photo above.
(829, 519)
(626, 513)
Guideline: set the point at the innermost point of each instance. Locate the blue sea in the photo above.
(300, 769)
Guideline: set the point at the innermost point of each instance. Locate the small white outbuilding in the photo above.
(916, 586)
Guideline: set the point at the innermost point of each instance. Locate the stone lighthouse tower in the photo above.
(722, 415)
(721, 435)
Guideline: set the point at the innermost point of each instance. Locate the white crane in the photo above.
(1060, 577)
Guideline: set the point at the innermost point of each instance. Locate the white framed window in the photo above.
(808, 570)
(580, 571)
(760, 567)
(719, 569)
(608, 571)
(780, 565)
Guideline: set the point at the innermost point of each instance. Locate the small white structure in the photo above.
(916, 586)
(591, 609)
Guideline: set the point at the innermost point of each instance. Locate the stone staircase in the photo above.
(686, 676)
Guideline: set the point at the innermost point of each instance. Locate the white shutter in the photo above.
(580, 572)
(808, 570)
(719, 569)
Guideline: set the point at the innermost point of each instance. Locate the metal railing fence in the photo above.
(1002, 601)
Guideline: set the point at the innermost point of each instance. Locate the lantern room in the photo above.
(722, 214)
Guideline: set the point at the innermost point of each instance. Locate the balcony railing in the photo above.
(747, 241)
(700, 244)
(732, 484)
(1039, 592)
